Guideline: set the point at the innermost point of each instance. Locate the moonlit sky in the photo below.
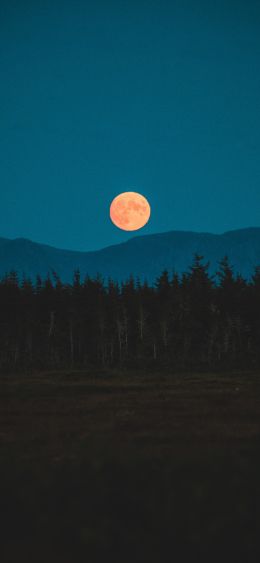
(96, 98)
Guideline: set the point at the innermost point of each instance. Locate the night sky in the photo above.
(102, 97)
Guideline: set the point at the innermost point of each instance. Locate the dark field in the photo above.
(130, 468)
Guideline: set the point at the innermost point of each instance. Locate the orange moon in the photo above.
(130, 211)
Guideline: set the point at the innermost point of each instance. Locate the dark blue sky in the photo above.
(102, 97)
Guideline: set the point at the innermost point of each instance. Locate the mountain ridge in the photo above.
(143, 256)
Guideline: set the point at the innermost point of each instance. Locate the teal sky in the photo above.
(102, 97)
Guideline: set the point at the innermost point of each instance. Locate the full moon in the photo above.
(130, 211)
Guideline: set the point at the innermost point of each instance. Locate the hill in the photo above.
(143, 256)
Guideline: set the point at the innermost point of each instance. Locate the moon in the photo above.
(130, 211)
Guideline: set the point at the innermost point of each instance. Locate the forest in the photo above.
(191, 322)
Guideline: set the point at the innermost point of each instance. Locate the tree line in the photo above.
(192, 321)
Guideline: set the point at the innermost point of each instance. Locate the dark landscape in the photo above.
(130, 467)
(130, 418)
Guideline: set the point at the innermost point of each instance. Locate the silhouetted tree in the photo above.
(191, 321)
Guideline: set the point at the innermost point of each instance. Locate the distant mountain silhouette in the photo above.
(143, 256)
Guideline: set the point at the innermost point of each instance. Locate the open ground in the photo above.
(134, 468)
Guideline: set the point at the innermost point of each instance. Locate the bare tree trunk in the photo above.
(71, 345)
(52, 322)
(164, 330)
(141, 322)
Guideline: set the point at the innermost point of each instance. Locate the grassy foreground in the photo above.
(134, 469)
